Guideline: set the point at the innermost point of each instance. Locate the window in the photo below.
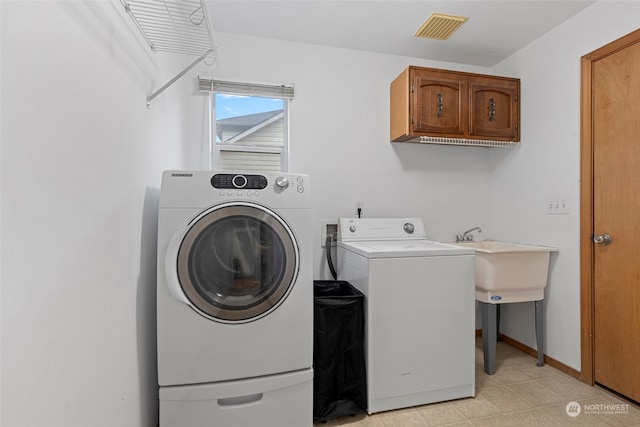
(249, 125)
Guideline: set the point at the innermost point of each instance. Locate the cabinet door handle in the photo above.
(492, 109)
(439, 104)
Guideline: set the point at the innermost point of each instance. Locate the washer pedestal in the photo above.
(276, 400)
(490, 329)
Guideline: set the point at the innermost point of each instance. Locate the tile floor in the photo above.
(519, 394)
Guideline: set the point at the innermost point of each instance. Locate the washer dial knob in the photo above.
(282, 183)
(408, 228)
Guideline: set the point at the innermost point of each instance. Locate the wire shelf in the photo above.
(174, 26)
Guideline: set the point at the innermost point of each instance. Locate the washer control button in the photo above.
(352, 228)
(408, 228)
(239, 181)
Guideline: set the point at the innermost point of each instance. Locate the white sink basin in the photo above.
(510, 272)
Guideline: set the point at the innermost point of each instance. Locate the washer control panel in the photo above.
(235, 184)
(203, 188)
(373, 229)
(228, 181)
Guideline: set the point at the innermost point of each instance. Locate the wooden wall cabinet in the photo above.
(451, 104)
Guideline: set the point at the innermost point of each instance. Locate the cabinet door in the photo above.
(494, 109)
(438, 105)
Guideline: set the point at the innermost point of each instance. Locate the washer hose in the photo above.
(329, 260)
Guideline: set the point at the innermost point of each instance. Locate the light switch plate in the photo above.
(557, 206)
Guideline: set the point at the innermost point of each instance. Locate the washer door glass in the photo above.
(237, 262)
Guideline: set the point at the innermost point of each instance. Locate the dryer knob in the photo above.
(352, 229)
(409, 228)
(282, 183)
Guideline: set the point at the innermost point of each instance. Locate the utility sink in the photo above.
(510, 272)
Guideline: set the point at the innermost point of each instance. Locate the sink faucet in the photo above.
(467, 236)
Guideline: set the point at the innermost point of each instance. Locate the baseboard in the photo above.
(534, 353)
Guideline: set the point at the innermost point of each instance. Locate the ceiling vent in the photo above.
(440, 26)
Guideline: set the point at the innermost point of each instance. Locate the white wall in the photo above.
(81, 165)
(340, 136)
(81, 162)
(547, 165)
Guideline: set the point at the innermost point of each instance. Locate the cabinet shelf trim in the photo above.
(462, 141)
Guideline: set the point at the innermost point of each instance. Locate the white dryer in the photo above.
(419, 311)
(235, 299)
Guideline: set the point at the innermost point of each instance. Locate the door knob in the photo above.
(602, 239)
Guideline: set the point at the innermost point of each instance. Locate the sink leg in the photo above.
(498, 313)
(540, 332)
(489, 336)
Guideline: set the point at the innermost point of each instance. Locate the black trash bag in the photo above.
(338, 350)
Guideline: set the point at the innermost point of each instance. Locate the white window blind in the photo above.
(249, 161)
(243, 88)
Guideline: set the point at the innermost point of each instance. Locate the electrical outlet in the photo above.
(329, 227)
(359, 206)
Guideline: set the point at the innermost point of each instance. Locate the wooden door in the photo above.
(615, 127)
(438, 104)
(494, 109)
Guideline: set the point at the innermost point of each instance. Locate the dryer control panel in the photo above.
(226, 181)
(204, 188)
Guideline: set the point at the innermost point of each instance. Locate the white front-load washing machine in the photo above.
(235, 299)
(419, 311)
